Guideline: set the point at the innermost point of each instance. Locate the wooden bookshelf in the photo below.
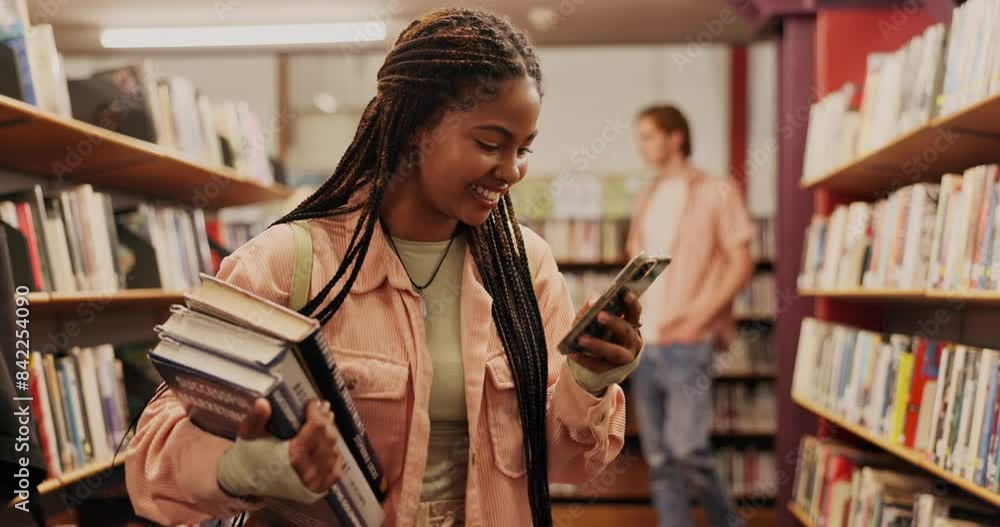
(906, 296)
(74, 476)
(958, 141)
(910, 455)
(800, 514)
(128, 299)
(38, 142)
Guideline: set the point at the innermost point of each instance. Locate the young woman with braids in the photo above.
(441, 311)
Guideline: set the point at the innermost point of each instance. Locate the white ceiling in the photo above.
(578, 21)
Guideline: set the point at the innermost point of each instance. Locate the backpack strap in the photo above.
(302, 270)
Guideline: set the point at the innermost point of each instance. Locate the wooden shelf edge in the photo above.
(931, 127)
(74, 476)
(905, 294)
(800, 514)
(907, 454)
(224, 176)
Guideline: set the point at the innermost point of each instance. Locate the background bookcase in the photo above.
(824, 63)
(32, 143)
(585, 219)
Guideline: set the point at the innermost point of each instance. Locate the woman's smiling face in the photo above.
(473, 156)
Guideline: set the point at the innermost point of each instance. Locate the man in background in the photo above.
(702, 223)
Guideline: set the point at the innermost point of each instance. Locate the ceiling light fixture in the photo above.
(261, 35)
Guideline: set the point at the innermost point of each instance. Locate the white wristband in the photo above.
(261, 467)
(596, 383)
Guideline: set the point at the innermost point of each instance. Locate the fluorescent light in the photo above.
(262, 35)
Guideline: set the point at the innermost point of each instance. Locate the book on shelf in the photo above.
(74, 241)
(750, 352)
(938, 398)
(972, 70)
(923, 236)
(79, 404)
(757, 299)
(763, 245)
(744, 408)
(227, 347)
(837, 485)
(747, 473)
(947, 68)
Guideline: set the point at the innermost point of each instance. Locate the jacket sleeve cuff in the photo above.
(205, 491)
(581, 410)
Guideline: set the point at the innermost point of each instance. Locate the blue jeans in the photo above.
(673, 396)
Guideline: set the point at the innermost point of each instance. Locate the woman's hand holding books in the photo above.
(302, 468)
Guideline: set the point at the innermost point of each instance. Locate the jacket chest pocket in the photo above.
(378, 388)
(504, 419)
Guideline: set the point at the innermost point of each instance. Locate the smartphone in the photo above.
(636, 277)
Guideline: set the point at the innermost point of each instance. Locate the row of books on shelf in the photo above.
(939, 398)
(79, 405)
(837, 485)
(763, 245)
(947, 68)
(744, 408)
(72, 240)
(583, 240)
(757, 299)
(747, 473)
(928, 235)
(136, 100)
(752, 354)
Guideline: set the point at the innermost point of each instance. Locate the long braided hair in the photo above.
(437, 62)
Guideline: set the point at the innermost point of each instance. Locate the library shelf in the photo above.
(910, 455)
(749, 375)
(137, 299)
(75, 476)
(800, 514)
(578, 265)
(926, 296)
(951, 143)
(37, 142)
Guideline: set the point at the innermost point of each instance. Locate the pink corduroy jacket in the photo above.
(378, 341)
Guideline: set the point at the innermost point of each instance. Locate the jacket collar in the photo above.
(380, 265)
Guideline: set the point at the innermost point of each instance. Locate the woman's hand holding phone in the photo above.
(625, 341)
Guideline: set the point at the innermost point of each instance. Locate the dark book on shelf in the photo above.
(227, 347)
(113, 103)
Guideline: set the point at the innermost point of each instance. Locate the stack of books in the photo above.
(838, 485)
(227, 347)
(939, 398)
(923, 236)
